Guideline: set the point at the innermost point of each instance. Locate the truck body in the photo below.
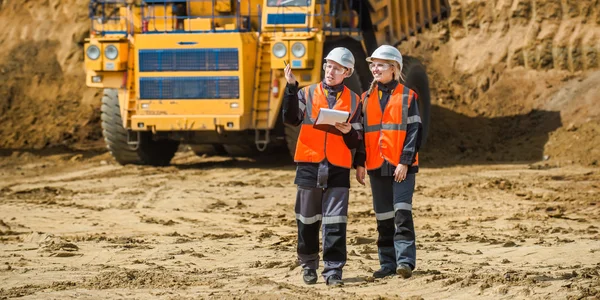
(210, 72)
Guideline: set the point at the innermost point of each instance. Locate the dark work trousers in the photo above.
(392, 202)
(329, 207)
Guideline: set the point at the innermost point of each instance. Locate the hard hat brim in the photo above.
(341, 64)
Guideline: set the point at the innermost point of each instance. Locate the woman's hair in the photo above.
(398, 76)
(397, 73)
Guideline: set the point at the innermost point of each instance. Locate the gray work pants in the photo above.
(316, 207)
(392, 202)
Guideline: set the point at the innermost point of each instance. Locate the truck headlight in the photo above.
(298, 49)
(92, 52)
(279, 50)
(111, 52)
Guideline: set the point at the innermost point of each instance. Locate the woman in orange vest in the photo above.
(392, 137)
(324, 161)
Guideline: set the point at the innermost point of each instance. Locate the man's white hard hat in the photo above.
(343, 57)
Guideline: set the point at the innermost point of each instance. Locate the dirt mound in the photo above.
(43, 98)
(509, 78)
(132, 279)
(576, 143)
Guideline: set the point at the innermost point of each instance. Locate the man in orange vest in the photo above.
(392, 128)
(324, 161)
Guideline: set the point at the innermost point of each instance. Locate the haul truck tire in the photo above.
(356, 82)
(147, 151)
(416, 79)
(291, 138)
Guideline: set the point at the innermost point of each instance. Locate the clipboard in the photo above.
(327, 118)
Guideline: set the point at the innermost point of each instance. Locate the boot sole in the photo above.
(404, 273)
(384, 276)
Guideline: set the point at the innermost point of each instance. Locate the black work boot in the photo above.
(310, 276)
(383, 272)
(335, 280)
(404, 270)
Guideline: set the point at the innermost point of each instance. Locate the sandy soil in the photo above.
(76, 225)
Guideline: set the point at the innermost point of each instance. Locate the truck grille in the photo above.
(189, 88)
(286, 19)
(160, 60)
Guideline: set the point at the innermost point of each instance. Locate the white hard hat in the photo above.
(342, 56)
(387, 52)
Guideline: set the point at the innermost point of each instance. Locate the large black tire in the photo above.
(353, 83)
(147, 152)
(291, 138)
(416, 79)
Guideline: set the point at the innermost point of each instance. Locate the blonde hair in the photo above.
(398, 76)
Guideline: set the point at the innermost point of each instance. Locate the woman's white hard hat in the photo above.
(387, 52)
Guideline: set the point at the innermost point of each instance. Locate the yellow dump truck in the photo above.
(209, 73)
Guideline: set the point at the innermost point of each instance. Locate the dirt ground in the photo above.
(76, 225)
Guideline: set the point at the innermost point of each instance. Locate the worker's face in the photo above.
(382, 70)
(334, 73)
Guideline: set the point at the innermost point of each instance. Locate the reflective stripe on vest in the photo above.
(315, 145)
(385, 131)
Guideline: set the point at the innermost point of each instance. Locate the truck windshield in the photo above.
(288, 2)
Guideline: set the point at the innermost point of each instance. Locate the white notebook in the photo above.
(331, 116)
(328, 117)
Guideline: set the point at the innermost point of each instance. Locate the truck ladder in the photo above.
(130, 86)
(262, 94)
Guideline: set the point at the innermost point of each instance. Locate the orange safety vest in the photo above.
(385, 132)
(314, 145)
